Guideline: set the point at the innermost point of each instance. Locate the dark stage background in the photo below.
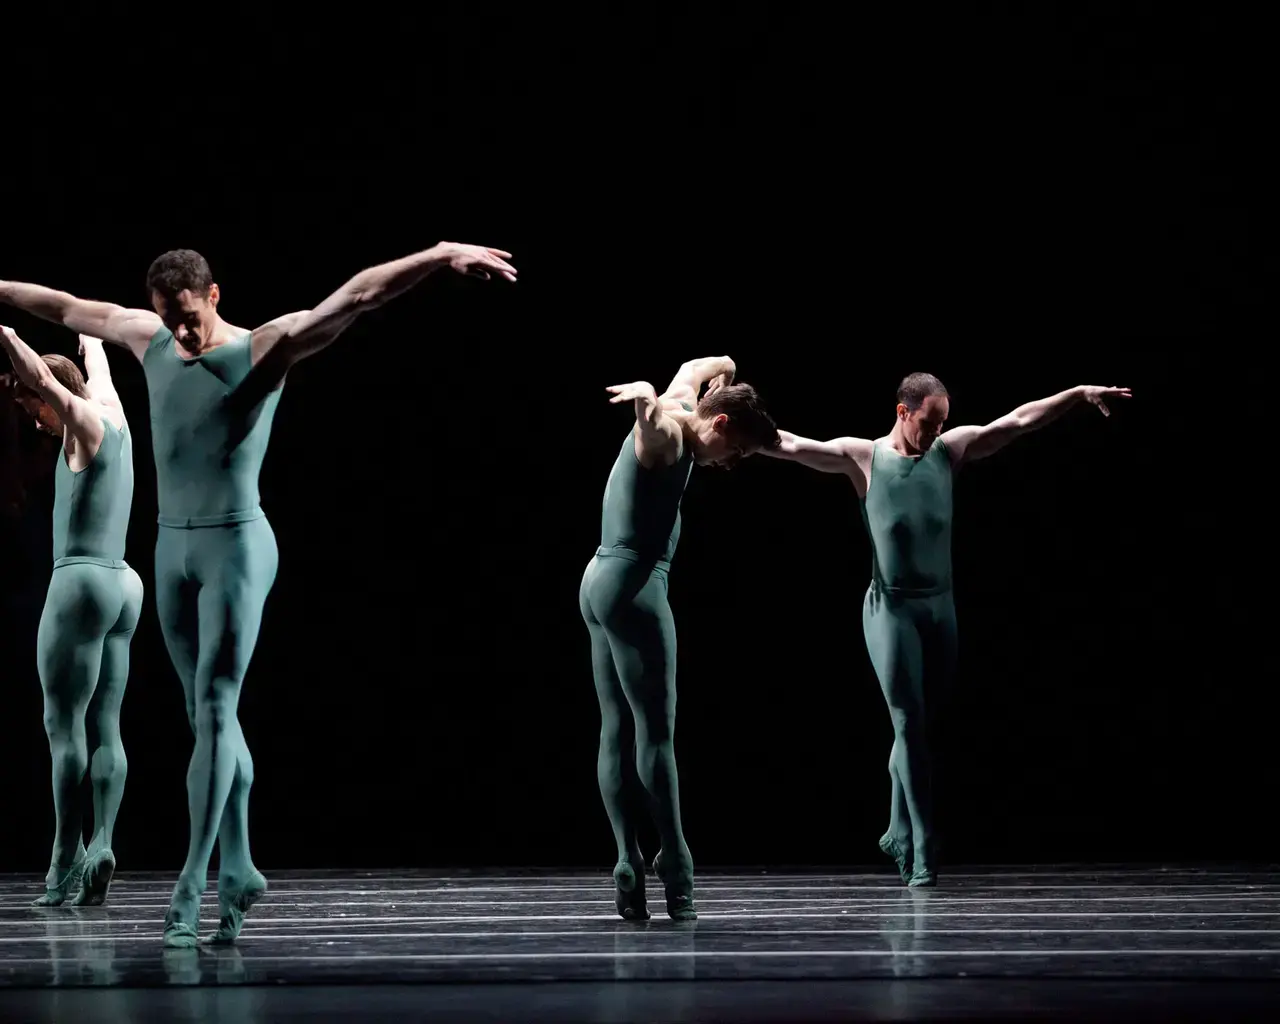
(1017, 202)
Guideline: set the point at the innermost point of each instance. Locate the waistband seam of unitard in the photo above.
(106, 563)
(222, 519)
(936, 591)
(627, 555)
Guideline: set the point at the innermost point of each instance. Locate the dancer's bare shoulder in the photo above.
(860, 449)
(266, 335)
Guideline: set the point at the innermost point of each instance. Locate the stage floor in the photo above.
(1063, 943)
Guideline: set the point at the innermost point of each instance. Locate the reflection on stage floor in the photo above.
(766, 946)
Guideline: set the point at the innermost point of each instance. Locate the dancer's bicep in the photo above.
(965, 444)
(834, 456)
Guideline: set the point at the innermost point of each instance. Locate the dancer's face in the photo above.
(922, 427)
(47, 421)
(191, 317)
(717, 444)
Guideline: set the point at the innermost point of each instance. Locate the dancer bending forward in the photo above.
(623, 599)
(91, 610)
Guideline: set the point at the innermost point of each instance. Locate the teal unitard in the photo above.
(216, 561)
(909, 622)
(623, 600)
(82, 655)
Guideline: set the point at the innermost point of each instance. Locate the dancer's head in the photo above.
(923, 408)
(68, 375)
(731, 423)
(182, 292)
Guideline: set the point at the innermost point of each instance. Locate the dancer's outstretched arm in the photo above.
(79, 416)
(288, 339)
(129, 328)
(839, 455)
(964, 444)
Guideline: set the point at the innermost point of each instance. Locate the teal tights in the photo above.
(82, 655)
(633, 658)
(211, 585)
(912, 643)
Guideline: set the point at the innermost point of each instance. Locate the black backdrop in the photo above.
(1015, 203)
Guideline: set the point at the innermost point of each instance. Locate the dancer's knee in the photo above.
(610, 745)
(616, 729)
(213, 717)
(67, 746)
(652, 758)
(908, 722)
(59, 721)
(55, 724)
(655, 730)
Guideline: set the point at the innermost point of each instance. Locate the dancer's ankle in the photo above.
(675, 867)
(60, 865)
(236, 873)
(190, 884)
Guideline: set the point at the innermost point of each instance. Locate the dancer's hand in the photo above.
(716, 383)
(640, 389)
(476, 260)
(1094, 395)
(87, 339)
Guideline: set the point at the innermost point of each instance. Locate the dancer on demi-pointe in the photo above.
(623, 598)
(91, 609)
(214, 390)
(908, 616)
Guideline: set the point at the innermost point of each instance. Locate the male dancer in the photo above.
(908, 616)
(214, 390)
(91, 609)
(623, 599)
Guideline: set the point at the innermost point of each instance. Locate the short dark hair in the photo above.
(750, 421)
(916, 387)
(65, 371)
(179, 270)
